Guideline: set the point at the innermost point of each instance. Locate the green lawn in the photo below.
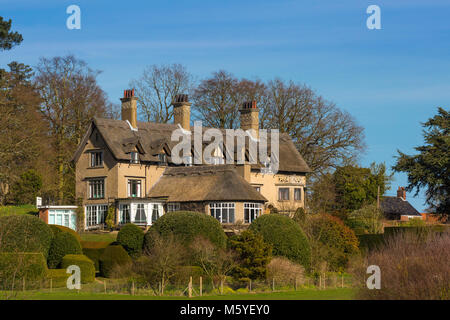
(304, 294)
(23, 209)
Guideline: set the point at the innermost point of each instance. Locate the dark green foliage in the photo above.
(253, 255)
(186, 226)
(24, 233)
(57, 229)
(430, 168)
(16, 266)
(94, 254)
(371, 241)
(368, 220)
(112, 256)
(86, 266)
(63, 243)
(356, 186)
(338, 242)
(8, 39)
(183, 274)
(285, 236)
(27, 187)
(300, 216)
(131, 238)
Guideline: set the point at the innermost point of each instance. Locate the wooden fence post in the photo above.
(201, 286)
(190, 287)
(104, 285)
(221, 286)
(250, 286)
(324, 281)
(273, 284)
(51, 284)
(132, 288)
(295, 287)
(342, 281)
(23, 284)
(320, 281)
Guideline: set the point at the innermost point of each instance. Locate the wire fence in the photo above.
(200, 286)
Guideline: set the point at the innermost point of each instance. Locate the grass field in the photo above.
(304, 294)
(23, 209)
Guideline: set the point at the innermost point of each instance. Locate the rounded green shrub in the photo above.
(14, 267)
(94, 254)
(112, 256)
(131, 238)
(58, 278)
(57, 229)
(285, 236)
(186, 226)
(86, 265)
(63, 243)
(24, 233)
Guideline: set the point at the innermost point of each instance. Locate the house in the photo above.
(129, 164)
(398, 208)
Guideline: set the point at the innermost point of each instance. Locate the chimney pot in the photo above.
(129, 107)
(401, 193)
(182, 111)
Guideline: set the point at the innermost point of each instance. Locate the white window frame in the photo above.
(67, 217)
(279, 194)
(94, 159)
(96, 186)
(139, 188)
(124, 208)
(299, 193)
(252, 210)
(221, 211)
(173, 206)
(95, 214)
(139, 207)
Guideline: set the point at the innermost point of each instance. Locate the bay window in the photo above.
(223, 211)
(252, 211)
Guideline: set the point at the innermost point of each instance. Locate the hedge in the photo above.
(28, 265)
(86, 266)
(112, 256)
(183, 274)
(285, 236)
(186, 226)
(57, 229)
(391, 231)
(131, 238)
(58, 277)
(62, 244)
(371, 241)
(24, 233)
(94, 254)
(94, 244)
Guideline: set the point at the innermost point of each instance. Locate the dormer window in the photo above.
(134, 157)
(162, 158)
(96, 159)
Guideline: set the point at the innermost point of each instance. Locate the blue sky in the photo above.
(390, 80)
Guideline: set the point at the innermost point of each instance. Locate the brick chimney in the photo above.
(182, 111)
(401, 193)
(250, 117)
(129, 107)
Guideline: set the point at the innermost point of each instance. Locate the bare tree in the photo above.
(157, 87)
(323, 134)
(70, 98)
(217, 263)
(159, 263)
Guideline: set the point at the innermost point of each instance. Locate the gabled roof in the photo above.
(152, 137)
(397, 206)
(204, 183)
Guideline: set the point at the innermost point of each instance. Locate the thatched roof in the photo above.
(152, 137)
(204, 183)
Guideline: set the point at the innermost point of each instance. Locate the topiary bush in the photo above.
(16, 266)
(334, 241)
(94, 254)
(131, 238)
(57, 229)
(285, 236)
(58, 278)
(63, 243)
(24, 233)
(112, 256)
(86, 266)
(186, 226)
